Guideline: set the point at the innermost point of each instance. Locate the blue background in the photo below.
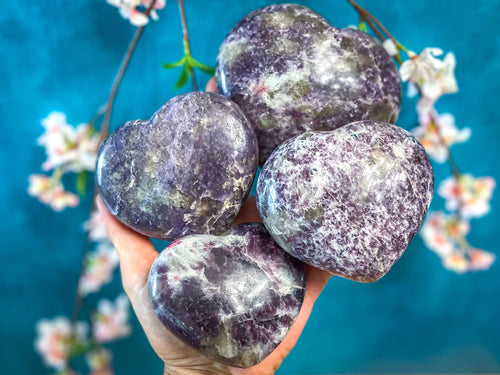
(62, 55)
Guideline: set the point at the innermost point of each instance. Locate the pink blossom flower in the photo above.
(67, 371)
(55, 338)
(129, 10)
(456, 261)
(480, 259)
(442, 233)
(437, 133)
(99, 267)
(96, 228)
(71, 149)
(99, 362)
(110, 322)
(471, 196)
(433, 76)
(50, 191)
(446, 236)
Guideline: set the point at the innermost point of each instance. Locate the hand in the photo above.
(137, 254)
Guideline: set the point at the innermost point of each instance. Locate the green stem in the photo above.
(185, 40)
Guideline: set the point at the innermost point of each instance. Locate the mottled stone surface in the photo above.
(291, 71)
(232, 297)
(186, 170)
(347, 201)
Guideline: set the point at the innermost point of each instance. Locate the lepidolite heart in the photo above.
(348, 201)
(291, 71)
(233, 297)
(186, 170)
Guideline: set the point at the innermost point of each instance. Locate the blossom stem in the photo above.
(103, 133)
(376, 26)
(119, 76)
(185, 39)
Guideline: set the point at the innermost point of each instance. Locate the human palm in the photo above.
(137, 254)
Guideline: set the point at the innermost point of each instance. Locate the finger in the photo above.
(249, 212)
(211, 85)
(135, 251)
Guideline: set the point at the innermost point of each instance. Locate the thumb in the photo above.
(135, 251)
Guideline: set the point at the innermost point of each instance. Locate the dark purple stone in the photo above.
(347, 201)
(232, 297)
(291, 71)
(186, 170)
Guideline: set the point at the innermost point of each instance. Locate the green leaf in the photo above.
(175, 64)
(202, 67)
(81, 182)
(362, 27)
(186, 72)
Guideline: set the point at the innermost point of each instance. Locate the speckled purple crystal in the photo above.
(348, 201)
(291, 71)
(232, 297)
(186, 170)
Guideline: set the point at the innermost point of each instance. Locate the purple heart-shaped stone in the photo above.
(291, 71)
(186, 170)
(347, 201)
(232, 297)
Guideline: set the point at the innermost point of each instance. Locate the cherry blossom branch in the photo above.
(376, 26)
(119, 76)
(185, 40)
(373, 22)
(451, 160)
(366, 16)
(103, 133)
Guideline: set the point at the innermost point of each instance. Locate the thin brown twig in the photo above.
(116, 83)
(368, 17)
(374, 28)
(185, 39)
(104, 131)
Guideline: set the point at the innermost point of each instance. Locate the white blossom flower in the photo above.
(55, 338)
(99, 267)
(69, 148)
(433, 76)
(96, 228)
(456, 261)
(110, 322)
(51, 192)
(470, 195)
(390, 47)
(441, 232)
(99, 361)
(129, 10)
(445, 235)
(437, 133)
(68, 371)
(481, 260)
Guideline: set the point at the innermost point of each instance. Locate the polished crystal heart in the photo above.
(186, 170)
(232, 297)
(347, 201)
(291, 71)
